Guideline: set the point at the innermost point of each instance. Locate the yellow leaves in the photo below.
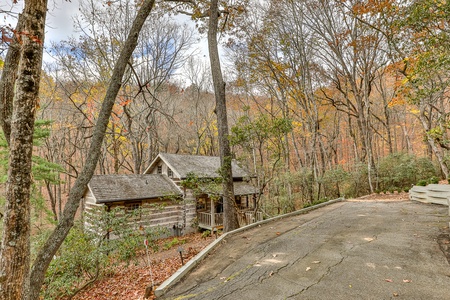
(297, 127)
(398, 100)
(414, 111)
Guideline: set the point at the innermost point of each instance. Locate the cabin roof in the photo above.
(202, 166)
(113, 188)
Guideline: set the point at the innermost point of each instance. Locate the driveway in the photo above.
(362, 249)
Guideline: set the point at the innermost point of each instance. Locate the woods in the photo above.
(318, 99)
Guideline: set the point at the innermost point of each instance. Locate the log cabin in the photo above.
(163, 185)
(208, 198)
(153, 200)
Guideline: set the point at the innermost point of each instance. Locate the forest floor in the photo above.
(130, 282)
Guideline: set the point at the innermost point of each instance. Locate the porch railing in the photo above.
(204, 220)
(244, 218)
(249, 217)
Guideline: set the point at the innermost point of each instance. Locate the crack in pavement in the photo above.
(344, 255)
(318, 281)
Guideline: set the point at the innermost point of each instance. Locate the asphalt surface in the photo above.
(347, 250)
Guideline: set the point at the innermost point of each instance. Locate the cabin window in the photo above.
(133, 209)
(238, 201)
(169, 172)
(159, 169)
(201, 204)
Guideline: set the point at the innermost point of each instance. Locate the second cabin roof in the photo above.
(202, 166)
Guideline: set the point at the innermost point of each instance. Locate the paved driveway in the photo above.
(347, 250)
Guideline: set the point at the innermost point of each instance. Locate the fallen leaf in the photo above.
(308, 268)
(271, 273)
(395, 294)
(274, 255)
(278, 233)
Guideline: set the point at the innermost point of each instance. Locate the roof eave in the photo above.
(138, 199)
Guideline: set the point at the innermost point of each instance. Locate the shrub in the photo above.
(422, 182)
(87, 254)
(433, 180)
(315, 202)
(206, 234)
(398, 171)
(358, 182)
(335, 182)
(174, 242)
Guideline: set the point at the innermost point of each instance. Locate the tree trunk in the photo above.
(431, 143)
(55, 240)
(229, 208)
(15, 247)
(8, 80)
(52, 197)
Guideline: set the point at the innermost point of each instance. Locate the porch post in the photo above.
(213, 214)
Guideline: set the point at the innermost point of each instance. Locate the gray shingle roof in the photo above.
(202, 166)
(111, 188)
(243, 188)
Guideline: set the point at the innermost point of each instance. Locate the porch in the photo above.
(207, 221)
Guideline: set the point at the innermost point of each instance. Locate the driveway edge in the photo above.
(178, 275)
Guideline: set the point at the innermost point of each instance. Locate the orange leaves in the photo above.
(398, 100)
(5, 38)
(131, 282)
(124, 102)
(372, 6)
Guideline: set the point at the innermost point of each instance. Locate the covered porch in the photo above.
(210, 207)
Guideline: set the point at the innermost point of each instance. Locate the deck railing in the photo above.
(249, 217)
(204, 220)
(244, 218)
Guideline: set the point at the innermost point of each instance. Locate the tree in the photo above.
(15, 280)
(417, 35)
(15, 246)
(229, 207)
(199, 10)
(146, 106)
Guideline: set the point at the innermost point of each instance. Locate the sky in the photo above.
(59, 17)
(59, 23)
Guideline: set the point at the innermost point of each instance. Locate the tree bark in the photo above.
(229, 207)
(55, 240)
(8, 80)
(15, 247)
